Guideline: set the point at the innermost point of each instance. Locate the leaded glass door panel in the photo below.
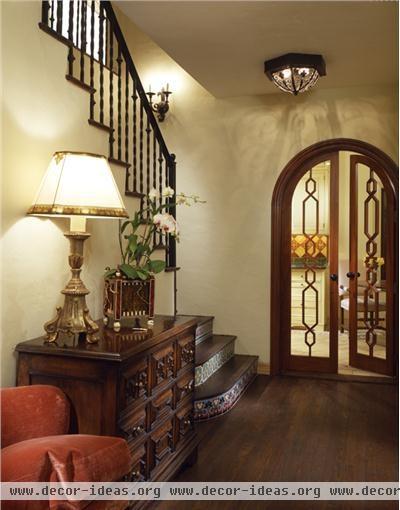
(313, 280)
(371, 268)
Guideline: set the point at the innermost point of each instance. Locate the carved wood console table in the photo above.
(138, 385)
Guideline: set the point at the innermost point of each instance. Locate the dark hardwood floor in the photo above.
(296, 429)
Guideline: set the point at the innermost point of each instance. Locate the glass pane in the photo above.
(371, 288)
(309, 260)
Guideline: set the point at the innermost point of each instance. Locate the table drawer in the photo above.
(133, 425)
(184, 386)
(184, 423)
(160, 407)
(163, 367)
(186, 350)
(134, 385)
(161, 444)
(139, 470)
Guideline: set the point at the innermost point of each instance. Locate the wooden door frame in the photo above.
(281, 203)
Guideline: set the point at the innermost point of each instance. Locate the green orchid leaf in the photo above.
(139, 251)
(143, 274)
(124, 225)
(136, 221)
(129, 271)
(109, 273)
(156, 266)
(141, 248)
(132, 243)
(131, 257)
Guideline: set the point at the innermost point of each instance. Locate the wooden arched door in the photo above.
(320, 298)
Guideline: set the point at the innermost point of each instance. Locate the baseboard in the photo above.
(263, 368)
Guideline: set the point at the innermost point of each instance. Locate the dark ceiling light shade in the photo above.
(295, 72)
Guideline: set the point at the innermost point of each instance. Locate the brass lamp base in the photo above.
(74, 318)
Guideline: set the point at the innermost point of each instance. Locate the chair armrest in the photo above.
(66, 458)
(34, 411)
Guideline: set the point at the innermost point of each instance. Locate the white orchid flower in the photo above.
(158, 219)
(154, 194)
(181, 199)
(166, 223)
(168, 192)
(176, 232)
(169, 224)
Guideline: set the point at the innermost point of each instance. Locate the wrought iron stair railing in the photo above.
(100, 62)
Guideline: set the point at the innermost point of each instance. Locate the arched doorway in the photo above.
(307, 282)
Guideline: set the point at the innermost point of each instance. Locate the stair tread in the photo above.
(211, 346)
(201, 318)
(160, 246)
(224, 378)
(204, 326)
(79, 83)
(99, 125)
(119, 162)
(171, 269)
(135, 194)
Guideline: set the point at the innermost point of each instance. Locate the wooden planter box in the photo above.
(128, 303)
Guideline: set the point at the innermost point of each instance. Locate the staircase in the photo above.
(99, 62)
(221, 375)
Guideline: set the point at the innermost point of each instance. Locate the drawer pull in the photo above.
(188, 353)
(139, 384)
(188, 386)
(187, 422)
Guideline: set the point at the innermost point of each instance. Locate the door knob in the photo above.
(352, 275)
(333, 277)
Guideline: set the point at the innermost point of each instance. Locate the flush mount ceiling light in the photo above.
(295, 72)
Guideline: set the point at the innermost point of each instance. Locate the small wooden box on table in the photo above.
(137, 385)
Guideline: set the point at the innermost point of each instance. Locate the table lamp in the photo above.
(77, 185)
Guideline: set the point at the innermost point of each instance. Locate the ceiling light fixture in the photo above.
(295, 72)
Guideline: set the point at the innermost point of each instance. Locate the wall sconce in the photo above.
(162, 106)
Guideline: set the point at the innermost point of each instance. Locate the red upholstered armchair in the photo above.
(36, 448)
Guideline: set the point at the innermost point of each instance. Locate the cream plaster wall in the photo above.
(231, 152)
(42, 113)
